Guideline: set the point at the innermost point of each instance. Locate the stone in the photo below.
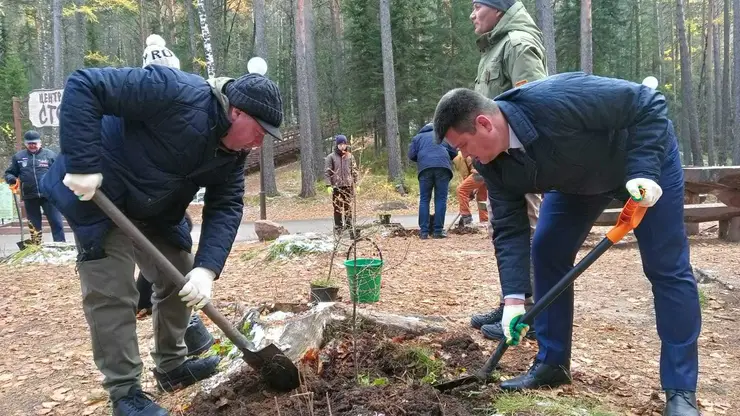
(267, 230)
(391, 206)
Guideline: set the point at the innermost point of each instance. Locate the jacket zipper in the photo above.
(33, 167)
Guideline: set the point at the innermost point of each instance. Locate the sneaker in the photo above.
(477, 321)
(137, 403)
(440, 235)
(423, 236)
(189, 372)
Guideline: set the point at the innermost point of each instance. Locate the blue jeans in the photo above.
(564, 223)
(437, 180)
(33, 211)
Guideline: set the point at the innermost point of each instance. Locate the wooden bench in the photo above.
(720, 181)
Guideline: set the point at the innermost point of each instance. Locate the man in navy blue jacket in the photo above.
(583, 140)
(433, 163)
(150, 138)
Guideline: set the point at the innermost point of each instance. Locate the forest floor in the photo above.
(47, 367)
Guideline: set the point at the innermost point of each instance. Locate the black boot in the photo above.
(680, 403)
(136, 403)
(189, 372)
(488, 318)
(539, 375)
(495, 331)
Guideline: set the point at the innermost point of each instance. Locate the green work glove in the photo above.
(329, 190)
(513, 330)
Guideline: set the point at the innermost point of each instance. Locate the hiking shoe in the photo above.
(189, 372)
(465, 220)
(478, 320)
(495, 332)
(680, 403)
(136, 403)
(440, 235)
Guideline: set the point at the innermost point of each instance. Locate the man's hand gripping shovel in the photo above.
(629, 219)
(274, 366)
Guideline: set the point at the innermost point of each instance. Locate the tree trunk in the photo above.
(313, 92)
(267, 152)
(687, 91)
(717, 95)
(192, 32)
(56, 11)
(395, 168)
(207, 47)
(587, 58)
(726, 82)
(709, 90)
(658, 56)
(304, 104)
(546, 21)
(734, 138)
(81, 36)
(638, 46)
(337, 41)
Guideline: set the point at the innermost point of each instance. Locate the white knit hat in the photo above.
(157, 53)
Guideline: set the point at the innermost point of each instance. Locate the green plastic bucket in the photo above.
(364, 279)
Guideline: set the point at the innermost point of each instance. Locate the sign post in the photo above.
(43, 107)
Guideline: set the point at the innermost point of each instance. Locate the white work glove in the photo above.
(511, 312)
(197, 291)
(652, 191)
(83, 184)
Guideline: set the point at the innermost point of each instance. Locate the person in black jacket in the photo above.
(29, 166)
(583, 140)
(150, 138)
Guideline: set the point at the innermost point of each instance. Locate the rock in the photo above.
(391, 206)
(267, 230)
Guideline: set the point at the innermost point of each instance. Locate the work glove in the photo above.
(197, 291)
(652, 191)
(329, 190)
(83, 184)
(513, 330)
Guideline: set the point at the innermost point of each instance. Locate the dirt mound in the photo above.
(371, 372)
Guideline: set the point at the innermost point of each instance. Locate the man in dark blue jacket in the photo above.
(434, 166)
(583, 140)
(152, 137)
(29, 166)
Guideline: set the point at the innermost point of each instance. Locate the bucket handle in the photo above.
(351, 246)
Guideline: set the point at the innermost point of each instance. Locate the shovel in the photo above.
(14, 190)
(274, 366)
(628, 220)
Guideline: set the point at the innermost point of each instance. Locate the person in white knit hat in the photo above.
(157, 53)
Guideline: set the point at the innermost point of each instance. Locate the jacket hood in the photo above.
(427, 127)
(217, 89)
(516, 18)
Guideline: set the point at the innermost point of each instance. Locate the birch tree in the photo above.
(207, 48)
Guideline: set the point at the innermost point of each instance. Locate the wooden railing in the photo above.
(288, 148)
(720, 181)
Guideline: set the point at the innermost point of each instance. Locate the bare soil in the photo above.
(46, 366)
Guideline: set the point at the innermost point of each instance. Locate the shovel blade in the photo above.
(21, 245)
(452, 384)
(274, 367)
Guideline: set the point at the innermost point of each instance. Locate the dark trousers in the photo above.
(435, 180)
(33, 211)
(341, 199)
(145, 292)
(564, 223)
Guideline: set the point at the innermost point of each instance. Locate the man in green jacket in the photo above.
(513, 54)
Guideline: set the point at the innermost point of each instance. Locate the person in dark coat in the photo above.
(583, 140)
(28, 166)
(434, 167)
(149, 138)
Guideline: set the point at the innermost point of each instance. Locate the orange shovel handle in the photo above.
(628, 220)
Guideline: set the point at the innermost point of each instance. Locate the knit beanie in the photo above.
(340, 138)
(502, 5)
(157, 53)
(259, 97)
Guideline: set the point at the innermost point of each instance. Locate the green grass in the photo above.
(702, 299)
(422, 361)
(530, 404)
